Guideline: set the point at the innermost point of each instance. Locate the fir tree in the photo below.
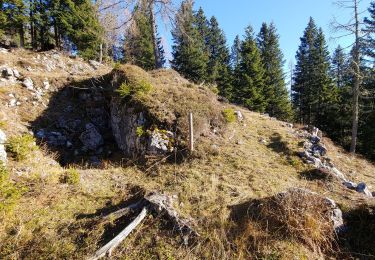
(189, 55)
(275, 92)
(302, 91)
(219, 71)
(235, 55)
(249, 74)
(370, 29)
(138, 48)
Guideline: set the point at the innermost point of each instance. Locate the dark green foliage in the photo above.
(249, 75)
(138, 47)
(235, 55)
(52, 22)
(275, 92)
(189, 56)
(370, 29)
(218, 69)
(314, 96)
(82, 27)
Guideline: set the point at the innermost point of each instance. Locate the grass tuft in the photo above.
(9, 193)
(71, 177)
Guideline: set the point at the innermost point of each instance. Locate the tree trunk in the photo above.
(101, 53)
(22, 36)
(56, 34)
(357, 83)
(158, 63)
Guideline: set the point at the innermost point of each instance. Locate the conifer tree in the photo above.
(249, 74)
(302, 91)
(339, 68)
(218, 69)
(189, 55)
(370, 29)
(235, 55)
(138, 48)
(275, 92)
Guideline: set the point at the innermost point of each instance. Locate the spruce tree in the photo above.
(370, 29)
(339, 68)
(325, 106)
(302, 90)
(138, 47)
(275, 92)
(189, 55)
(218, 69)
(249, 74)
(235, 55)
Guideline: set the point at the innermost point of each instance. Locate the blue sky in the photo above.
(290, 17)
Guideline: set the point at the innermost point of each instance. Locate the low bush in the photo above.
(71, 177)
(229, 115)
(21, 146)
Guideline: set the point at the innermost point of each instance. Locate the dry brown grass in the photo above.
(172, 98)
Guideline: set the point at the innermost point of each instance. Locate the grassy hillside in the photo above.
(56, 212)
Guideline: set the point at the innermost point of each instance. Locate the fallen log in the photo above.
(156, 203)
(111, 245)
(121, 212)
(163, 204)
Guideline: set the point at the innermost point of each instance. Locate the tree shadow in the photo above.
(278, 145)
(313, 175)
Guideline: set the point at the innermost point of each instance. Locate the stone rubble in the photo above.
(315, 153)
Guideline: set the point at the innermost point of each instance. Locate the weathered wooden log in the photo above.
(121, 212)
(163, 204)
(111, 245)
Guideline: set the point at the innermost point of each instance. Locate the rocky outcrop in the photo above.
(315, 153)
(129, 127)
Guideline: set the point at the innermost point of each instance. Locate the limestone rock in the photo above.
(362, 188)
(239, 115)
(3, 154)
(28, 83)
(91, 138)
(161, 141)
(95, 64)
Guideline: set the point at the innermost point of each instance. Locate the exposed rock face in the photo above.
(3, 154)
(125, 120)
(91, 138)
(129, 129)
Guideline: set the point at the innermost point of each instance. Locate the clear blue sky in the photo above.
(290, 17)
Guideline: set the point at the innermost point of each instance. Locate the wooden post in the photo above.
(191, 132)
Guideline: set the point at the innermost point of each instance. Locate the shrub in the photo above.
(9, 193)
(71, 177)
(21, 146)
(229, 115)
(137, 89)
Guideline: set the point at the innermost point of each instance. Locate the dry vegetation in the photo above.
(58, 214)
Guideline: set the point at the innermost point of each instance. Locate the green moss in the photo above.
(21, 146)
(116, 65)
(9, 193)
(229, 115)
(71, 177)
(140, 131)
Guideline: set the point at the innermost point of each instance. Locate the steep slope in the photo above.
(58, 210)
